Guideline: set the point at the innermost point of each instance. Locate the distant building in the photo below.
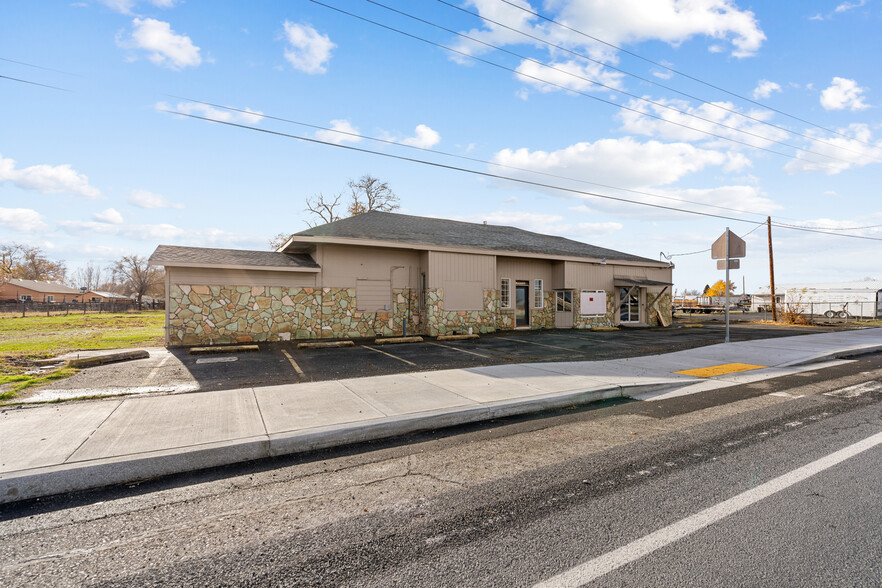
(379, 274)
(857, 299)
(33, 291)
(103, 296)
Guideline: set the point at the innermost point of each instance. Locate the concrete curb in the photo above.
(223, 349)
(84, 362)
(326, 344)
(70, 477)
(846, 354)
(457, 337)
(395, 340)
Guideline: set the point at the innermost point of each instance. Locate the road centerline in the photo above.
(612, 560)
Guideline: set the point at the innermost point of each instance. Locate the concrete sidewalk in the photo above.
(50, 449)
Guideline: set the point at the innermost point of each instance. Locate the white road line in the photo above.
(389, 354)
(156, 369)
(458, 349)
(293, 363)
(608, 562)
(856, 390)
(570, 349)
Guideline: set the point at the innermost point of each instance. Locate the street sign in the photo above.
(733, 264)
(737, 247)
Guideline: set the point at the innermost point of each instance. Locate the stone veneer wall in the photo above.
(590, 322)
(543, 318)
(442, 322)
(240, 314)
(665, 304)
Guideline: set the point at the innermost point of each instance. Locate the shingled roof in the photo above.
(387, 226)
(172, 255)
(43, 287)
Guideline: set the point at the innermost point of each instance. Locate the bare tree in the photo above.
(139, 277)
(324, 208)
(277, 241)
(88, 277)
(28, 262)
(369, 193)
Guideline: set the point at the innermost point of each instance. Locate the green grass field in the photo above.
(23, 338)
(51, 335)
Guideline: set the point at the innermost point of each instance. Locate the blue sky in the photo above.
(100, 170)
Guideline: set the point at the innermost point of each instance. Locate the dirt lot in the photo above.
(175, 370)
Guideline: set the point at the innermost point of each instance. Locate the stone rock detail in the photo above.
(665, 305)
(590, 322)
(446, 322)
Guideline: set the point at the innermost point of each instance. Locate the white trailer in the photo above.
(844, 300)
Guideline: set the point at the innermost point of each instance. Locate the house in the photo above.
(104, 296)
(34, 291)
(383, 274)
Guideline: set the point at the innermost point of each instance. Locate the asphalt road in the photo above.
(508, 503)
(175, 370)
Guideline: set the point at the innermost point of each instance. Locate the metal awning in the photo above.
(627, 282)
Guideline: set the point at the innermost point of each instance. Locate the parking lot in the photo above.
(176, 370)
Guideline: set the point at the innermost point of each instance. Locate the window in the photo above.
(538, 294)
(505, 293)
(25, 297)
(564, 301)
(50, 298)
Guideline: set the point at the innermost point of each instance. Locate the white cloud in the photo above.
(126, 6)
(251, 117)
(692, 128)
(846, 6)
(157, 232)
(164, 47)
(47, 179)
(25, 220)
(338, 138)
(145, 199)
(549, 224)
(669, 21)
(308, 50)
(849, 151)
(764, 89)
(424, 138)
(572, 75)
(619, 162)
(843, 93)
(111, 216)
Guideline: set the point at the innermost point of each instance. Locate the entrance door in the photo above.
(522, 307)
(563, 309)
(629, 305)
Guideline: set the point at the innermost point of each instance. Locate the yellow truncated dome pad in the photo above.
(720, 370)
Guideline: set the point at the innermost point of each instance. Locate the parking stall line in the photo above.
(458, 349)
(570, 349)
(389, 354)
(293, 363)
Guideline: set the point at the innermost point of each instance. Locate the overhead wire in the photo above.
(606, 86)
(492, 175)
(678, 72)
(472, 159)
(670, 256)
(34, 83)
(585, 94)
(650, 81)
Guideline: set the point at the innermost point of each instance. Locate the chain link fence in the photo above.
(30, 308)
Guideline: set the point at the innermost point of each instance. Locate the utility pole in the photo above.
(772, 270)
(726, 289)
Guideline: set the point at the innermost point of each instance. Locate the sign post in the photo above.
(728, 247)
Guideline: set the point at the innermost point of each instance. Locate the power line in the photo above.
(647, 80)
(491, 175)
(669, 256)
(585, 94)
(602, 85)
(473, 159)
(693, 78)
(34, 83)
(67, 73)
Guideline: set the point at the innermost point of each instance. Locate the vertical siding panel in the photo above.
(445, 267)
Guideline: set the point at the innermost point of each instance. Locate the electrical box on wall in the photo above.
(592, 303)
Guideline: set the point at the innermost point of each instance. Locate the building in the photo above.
(384, 274)
(34, 291)
(856, 299)
(103, 296)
